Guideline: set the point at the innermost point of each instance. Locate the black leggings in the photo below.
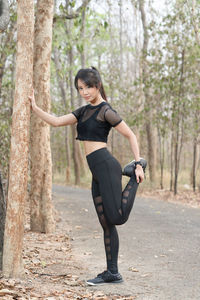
(113, 205)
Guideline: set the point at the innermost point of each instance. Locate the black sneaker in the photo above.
(105, 277)
(130, 167)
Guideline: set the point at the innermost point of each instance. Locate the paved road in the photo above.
(159, 246)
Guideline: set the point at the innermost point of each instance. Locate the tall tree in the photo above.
(14, 227)
(41, 165)
(75, 145)
(4, 14)
(61, 84)
(149, 121)
(2, 218)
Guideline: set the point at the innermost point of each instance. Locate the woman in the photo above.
(94, 122)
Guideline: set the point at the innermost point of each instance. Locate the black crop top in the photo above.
(95, 122)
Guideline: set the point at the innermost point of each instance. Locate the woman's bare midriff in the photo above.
(91, 146)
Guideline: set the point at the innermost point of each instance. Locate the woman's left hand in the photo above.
(139, 174)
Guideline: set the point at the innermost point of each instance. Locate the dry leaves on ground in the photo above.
(189, 198)
(51, 271)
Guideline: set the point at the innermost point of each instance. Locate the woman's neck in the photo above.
(97, 100)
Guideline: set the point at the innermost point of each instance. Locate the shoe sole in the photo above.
(132, 162)
(110, 282)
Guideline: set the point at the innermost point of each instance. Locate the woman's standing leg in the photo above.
(111, 240)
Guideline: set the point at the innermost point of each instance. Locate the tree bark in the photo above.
(14, 227)
(2, 219)
(4, 14)
(41, 218)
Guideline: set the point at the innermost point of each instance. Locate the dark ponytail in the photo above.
(101, 89)
(91, 78)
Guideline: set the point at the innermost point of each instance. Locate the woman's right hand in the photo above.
(32, 100)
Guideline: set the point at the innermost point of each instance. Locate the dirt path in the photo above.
(159, 254)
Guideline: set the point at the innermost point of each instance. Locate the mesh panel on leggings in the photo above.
(128, 196)
(99, 208)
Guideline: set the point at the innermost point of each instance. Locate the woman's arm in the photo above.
(125, 130)
(68, 119)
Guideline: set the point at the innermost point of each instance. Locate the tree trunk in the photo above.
(83, 60)
(77, 161)
(194, 164)
(4, 56)
(4, 14)
(121, 44)
(68, 168)
(61, 84)
(14, 227)
(172, 162)
(162, 156)
(75, 156)
(2, 219)
(149, 128)
(178, 144)
(82, 50)
(176, 164)
(41, 218)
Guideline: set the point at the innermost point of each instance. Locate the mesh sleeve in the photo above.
(112, 117)
(77, 112)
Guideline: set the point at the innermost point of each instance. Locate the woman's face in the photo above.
(90, 94)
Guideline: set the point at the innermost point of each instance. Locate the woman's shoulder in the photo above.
(79, 111)
(108, 106)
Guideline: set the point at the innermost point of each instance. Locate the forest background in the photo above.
(148, 56)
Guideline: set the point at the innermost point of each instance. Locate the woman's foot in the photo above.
(105, 277)
(130, 167)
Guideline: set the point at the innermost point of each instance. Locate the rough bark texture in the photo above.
(4, 14)
(41, 164)
(14, 227)
(2, 219)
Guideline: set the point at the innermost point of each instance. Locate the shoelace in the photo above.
(101, 274)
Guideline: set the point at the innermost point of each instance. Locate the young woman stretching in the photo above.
(94, 122)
